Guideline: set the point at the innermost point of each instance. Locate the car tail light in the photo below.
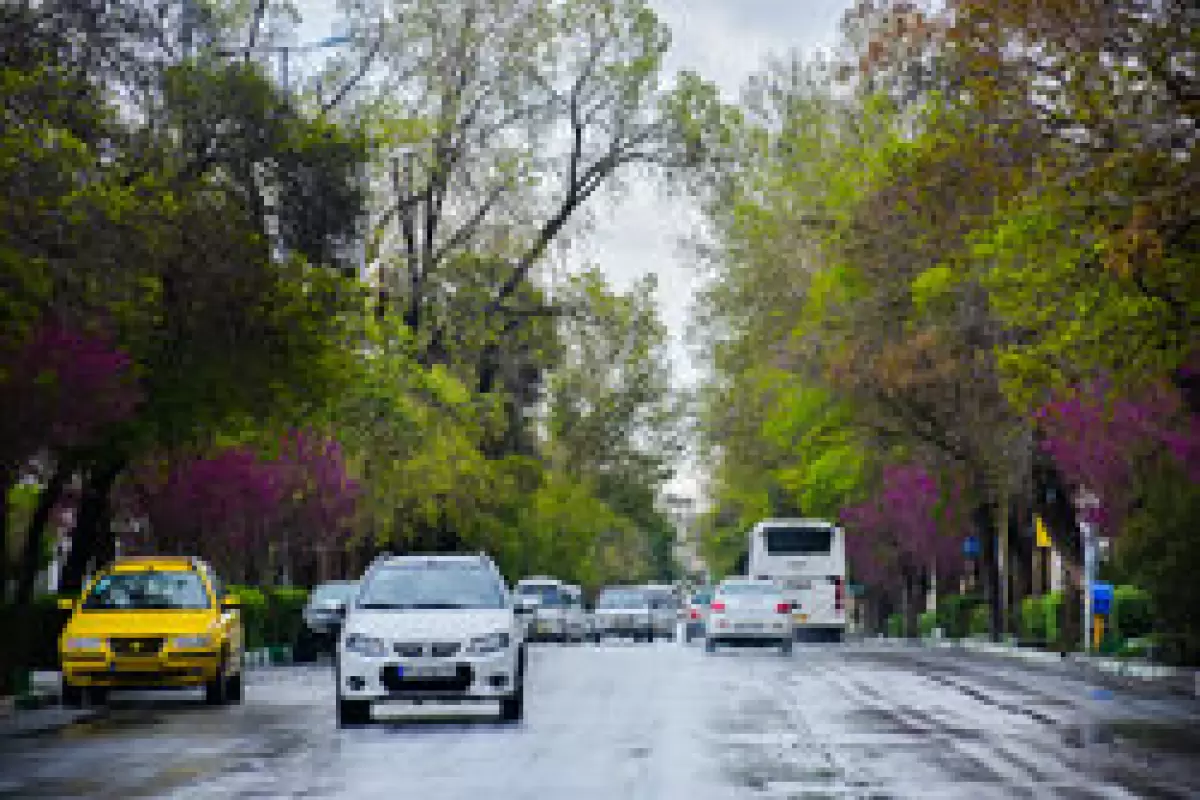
(839, 593)
(695, 614)
(783, 608)
(718, 606)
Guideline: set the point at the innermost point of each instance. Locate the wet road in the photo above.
(648, 722)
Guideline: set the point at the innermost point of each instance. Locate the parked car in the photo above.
(431, 630)
(623, 611)
(322, 619)
(153, 622)
(543, 605)
(748, 611)
(664, 611)
(575, 615)
(696, 614)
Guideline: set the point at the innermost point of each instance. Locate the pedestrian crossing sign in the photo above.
(1043, 535)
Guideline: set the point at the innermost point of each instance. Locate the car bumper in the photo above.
(749, 629)
(165, 672)
(480, 678)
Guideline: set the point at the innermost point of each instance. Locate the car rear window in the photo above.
(798, 541)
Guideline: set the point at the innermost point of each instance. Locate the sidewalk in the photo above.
(41, 711)
(1114, 672)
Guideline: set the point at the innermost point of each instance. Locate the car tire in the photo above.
(785, 647)
(351, 713)
(710, 645)
(72, 696)
(305, 651)
(97, 695)
(233, 690)
(215, 691)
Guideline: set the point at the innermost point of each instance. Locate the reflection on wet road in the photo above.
(647, 721)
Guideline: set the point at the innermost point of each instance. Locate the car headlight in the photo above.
(85, 643)
(365, 645)
(492, 643)
(191, 642)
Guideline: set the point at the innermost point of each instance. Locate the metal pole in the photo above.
(283, 69)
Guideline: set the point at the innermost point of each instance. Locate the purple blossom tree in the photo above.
(1098, 439)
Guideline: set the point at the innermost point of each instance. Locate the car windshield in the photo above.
(749, 589)
(548, 594)
(661, 600)
(334, 591)
(432, 585)
(622, 598)
(146, 591)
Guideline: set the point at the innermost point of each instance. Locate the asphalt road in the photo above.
(656, 722)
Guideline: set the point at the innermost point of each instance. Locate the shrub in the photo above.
(254, 614)
(1133, 612)
(926, 623)
(1033, 620)
(1052, 609)
(980, 620)
(954, 614)
(285, 614)
(895, 626)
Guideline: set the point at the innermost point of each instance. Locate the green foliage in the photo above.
(895, 626)
(1033, 620)
(926, 622)
(954, 614)
(979, 623)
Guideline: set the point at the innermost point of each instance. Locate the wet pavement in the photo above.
(646, 722)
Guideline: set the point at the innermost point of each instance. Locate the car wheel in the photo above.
(215, 690)
(785, 646)
(97, 695)
(72, 696)
(233, 689)
(305, 651)
(710, 645)
(353, 712)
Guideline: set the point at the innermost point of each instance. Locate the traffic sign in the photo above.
(971, 547)
(1102, 597)
(1043, 535)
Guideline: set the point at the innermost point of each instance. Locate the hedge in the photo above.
(980, 620)
(30, 638)
(954, 614)
(895, 626)
(271, 617)
(926, 623)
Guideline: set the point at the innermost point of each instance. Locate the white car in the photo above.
(745, 611)
(623, 611)
(430, 629)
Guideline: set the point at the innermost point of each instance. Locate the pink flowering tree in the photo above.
(236, 505)
(62, 387)
(908, 530)
(1097, 442)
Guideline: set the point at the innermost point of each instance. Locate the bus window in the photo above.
(793, 541)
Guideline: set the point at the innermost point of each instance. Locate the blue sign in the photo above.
(971, 547)
(1102, 598)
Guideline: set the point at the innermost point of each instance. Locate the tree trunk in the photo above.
(989, 568)
(7, 480)
(92, 535)
(35, 533)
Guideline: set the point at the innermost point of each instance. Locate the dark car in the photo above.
(323, 619)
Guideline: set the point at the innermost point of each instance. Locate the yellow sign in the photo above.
(1097, 630)
(1043, 535)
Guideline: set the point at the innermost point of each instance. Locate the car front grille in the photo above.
(394, 682)
(427, 649)
(409, 649)
(136, 646)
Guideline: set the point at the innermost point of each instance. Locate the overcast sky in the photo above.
(725, 41)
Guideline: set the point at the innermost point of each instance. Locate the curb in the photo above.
(1118, 672)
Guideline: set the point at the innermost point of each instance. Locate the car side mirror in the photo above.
(230, 602)
(66, 604)
(523, 606)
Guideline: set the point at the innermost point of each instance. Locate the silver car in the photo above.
(623, 611)
(664, 611)
(749, 611)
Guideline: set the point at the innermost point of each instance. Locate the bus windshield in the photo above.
(798, 541)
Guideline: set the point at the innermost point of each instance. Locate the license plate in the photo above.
(427, 670)
(749, 626)
(802, 617)
(545, 627)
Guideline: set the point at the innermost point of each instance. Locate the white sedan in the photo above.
(745, 611)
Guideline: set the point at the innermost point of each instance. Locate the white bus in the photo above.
(807, 559)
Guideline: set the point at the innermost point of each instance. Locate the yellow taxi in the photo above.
(153, 622)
